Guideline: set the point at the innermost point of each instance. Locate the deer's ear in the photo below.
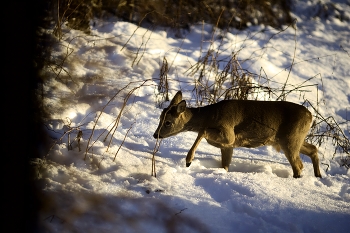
(177, 98)
(181, 107)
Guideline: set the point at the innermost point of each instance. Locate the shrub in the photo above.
(174, 13)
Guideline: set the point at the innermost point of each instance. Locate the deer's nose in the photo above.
(156, 135)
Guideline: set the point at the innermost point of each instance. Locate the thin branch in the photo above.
(127, 132)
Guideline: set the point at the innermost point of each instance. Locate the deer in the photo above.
(229, 124)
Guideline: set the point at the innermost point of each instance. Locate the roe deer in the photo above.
(243, 123)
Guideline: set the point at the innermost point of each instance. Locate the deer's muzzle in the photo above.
(156, 135)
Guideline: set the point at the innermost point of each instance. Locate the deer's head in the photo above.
(172, 119)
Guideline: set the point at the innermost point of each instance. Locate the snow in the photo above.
(110, 188)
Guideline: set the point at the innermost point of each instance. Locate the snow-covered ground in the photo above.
(110, 188)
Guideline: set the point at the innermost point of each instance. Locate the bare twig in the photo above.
(121, 144)
(328, 128)
(283, 95)
(142, 83)
(135, 30)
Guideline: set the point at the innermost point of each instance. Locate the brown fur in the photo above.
(243, 123)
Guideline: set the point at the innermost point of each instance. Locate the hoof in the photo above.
(188, 164)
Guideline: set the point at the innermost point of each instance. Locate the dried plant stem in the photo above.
(330, 129)
(139, 48)
(68, 133)
(283, 95)
(127, 132)
(115, 126)
(135, 30)
(88, 147)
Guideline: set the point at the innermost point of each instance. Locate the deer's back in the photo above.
(240, 110)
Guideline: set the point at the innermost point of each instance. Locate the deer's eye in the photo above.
(167, 124)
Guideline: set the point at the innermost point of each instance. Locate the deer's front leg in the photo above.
(226, 157)
(190, 154)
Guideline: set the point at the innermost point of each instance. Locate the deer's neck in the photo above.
(194, 119)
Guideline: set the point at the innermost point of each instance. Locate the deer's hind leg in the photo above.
(295, 162)
(291, 150)
(311, 151)
(226, 157)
